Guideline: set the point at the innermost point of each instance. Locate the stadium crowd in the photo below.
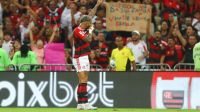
(27, 26)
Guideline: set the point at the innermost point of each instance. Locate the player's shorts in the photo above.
(81, 64)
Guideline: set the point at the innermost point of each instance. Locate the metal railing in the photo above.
(153, 67)
(184, 67)
(149, 67)
(7, 68)
(45, 67)
(54, 67)
(95, 67)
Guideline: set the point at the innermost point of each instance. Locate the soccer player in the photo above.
(123, 57)
(196, 56)
(82, 36)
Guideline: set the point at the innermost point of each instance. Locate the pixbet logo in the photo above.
(17, 94)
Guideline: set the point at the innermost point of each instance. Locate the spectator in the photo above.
(189, 31)
(16, 47)
(179, 45)
(37, 47)
(176, 34)
(52, 35)
(170, 6)
(93, 60)
(24, 28)
(93, 57)
(129, 40)
(8, 27)
(123, 57)
(99, 28)
(101, 11)
(164, 30)
(37, 33)
(69, 17)
(4, 59)
(53, 13)
(82, 2)
(14, 15)
(184, 23)
(138, 47)
(156, 47)
(196, 22)
(24, 56)
(7, 43)
(101, 48)
(83, 10)
(189, 45)
(170, 56)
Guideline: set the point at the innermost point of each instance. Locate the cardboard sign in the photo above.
(128, 17)
(55, 54)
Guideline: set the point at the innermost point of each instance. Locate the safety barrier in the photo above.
(184, 67)
(149, 67)
(8, 68)
(95, 67)
(54, 67)
(153, 67)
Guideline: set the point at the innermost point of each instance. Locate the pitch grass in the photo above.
(99, 110)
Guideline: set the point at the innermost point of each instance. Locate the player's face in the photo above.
(88, 24)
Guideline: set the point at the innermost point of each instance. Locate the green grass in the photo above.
(99, 110)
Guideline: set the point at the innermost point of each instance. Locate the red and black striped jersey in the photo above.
(80, 47)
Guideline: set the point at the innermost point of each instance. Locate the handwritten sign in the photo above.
(128, 17)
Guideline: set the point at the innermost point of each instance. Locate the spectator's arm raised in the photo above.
(180, 37)
(55, 29)
(93, 11)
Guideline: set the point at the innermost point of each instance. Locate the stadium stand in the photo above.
(41, 22)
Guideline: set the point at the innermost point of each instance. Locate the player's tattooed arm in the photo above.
(88, 38)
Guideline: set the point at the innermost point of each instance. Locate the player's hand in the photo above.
(91, 29)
